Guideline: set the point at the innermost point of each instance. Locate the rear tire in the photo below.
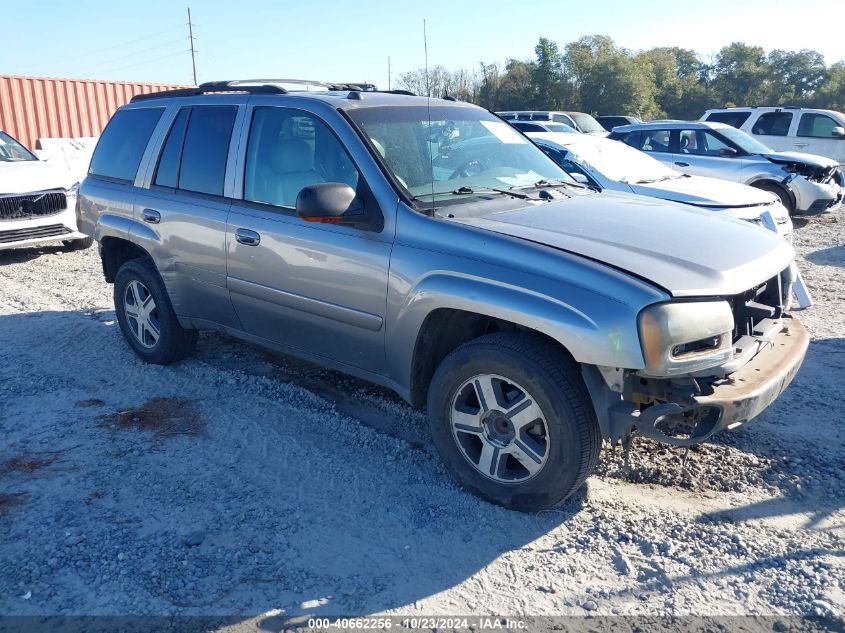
(535, 445)
(79, 245)
(781, 193)
(146, 316)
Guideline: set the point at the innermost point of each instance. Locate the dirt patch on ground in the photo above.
(90, 403)
(26, 463)
(10, 500)
(161, 416)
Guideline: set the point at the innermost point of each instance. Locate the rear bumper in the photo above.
(739, 397)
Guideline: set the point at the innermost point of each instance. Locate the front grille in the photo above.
(51, 230)
(764, 301)
(32, 205)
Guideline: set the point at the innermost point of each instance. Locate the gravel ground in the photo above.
(240, 482)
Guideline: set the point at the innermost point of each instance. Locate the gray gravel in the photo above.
(240, 482)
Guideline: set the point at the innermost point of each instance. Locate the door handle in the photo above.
(801, 144)
(679, 164)
(247, 237)
(151, 215)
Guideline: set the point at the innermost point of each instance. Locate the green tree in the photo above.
(608, 80)
(516, 88)
(546, 75)
(831, 92)
(680, 79)
(794, 76)
(740, 75)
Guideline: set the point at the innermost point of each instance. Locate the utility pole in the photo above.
(388, 73)
(191, 37)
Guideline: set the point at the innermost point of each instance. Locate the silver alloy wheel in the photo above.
(141, 314)
(499, 428)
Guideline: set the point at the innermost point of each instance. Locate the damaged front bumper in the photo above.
(724, 403)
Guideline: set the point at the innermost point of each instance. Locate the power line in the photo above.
(146, 61)
(110, 48)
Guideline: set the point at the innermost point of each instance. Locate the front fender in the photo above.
(594, 328)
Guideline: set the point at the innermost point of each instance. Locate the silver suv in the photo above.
(427, 246)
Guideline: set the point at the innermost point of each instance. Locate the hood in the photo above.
(710, 193)
(792, 158)
(687, 251)
(32, 175)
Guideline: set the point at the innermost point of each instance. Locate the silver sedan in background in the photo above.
(805, 183)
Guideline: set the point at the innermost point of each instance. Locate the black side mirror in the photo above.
(727, 152)
(329, 203)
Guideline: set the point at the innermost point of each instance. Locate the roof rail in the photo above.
(209, 87)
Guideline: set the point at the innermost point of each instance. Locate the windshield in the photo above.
(458, 153)
(11, 151)
(745, 142)
(619, 162)
(587, 123)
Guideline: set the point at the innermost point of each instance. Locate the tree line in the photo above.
(595, 75)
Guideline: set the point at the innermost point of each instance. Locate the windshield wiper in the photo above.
(468, 191)
(558, 183)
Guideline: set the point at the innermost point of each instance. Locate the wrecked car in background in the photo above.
(805, 183)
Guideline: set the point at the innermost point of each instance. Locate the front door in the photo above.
(700, 153)
(814, 135)
(320, 288)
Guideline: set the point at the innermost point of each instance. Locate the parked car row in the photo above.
(428, 246)
(804, 183)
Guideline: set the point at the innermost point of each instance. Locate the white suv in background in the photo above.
(820, 132)
(37, 200)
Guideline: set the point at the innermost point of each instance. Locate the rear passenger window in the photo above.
(206, 148)
(734, 119)
(649, 140)
(289, 150)
(816, 125)
(773, 124)
(123, 142)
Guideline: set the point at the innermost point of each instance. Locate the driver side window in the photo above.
(289, 150)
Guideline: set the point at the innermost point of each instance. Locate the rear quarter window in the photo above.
(734, 119)
(122, 144)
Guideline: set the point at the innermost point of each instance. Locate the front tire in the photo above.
(146, 316)
(513, 422)
(781, 193)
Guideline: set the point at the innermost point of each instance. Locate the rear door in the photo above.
(656, 142)
(772, 129)
(184, 209)
(318, 288)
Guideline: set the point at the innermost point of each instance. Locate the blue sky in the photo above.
(349, 40)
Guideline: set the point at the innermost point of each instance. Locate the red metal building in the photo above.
(43, 107)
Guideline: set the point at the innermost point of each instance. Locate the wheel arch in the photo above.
(445, 311)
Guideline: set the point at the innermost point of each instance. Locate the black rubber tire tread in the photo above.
(780, 192)
(535, 360)
(175, 342)
(79, 245)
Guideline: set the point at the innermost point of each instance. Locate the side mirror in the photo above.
(580, 178)
(838, 132)
(329, 203)
(727, 152)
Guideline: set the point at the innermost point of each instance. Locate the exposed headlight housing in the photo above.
(73, 189)
(685, 337)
